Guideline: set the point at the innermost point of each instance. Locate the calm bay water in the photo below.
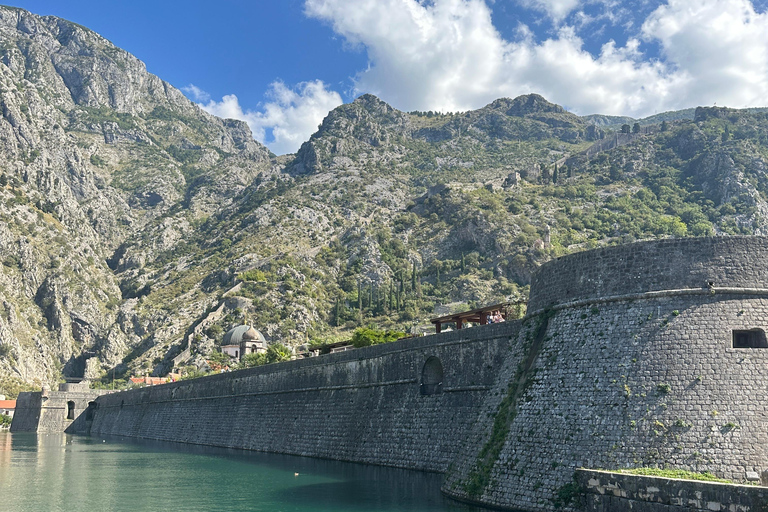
(58, 472)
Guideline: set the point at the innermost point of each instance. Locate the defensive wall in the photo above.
(647, 354)
(627, 359)
(70, 409)
(406, 404)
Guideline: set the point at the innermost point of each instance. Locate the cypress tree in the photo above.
(360, 297)
(413, 277)
(554, 175)
(463, 264)
(370, 297)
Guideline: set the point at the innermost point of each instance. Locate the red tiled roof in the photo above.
(152, 381)
(7, 404)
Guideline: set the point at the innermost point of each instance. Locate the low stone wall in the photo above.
(365, 405)
(605, 491)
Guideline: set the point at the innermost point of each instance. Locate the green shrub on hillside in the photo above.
(366, 336)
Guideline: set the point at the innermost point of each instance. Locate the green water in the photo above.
(58, 472)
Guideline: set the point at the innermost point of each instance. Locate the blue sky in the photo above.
(282, 65)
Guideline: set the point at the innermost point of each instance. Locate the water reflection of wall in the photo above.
(5, 449)
(82, 474)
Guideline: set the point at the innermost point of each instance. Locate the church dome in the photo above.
(243, 333)
(253, 335)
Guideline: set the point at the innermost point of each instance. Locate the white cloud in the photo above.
(291, 115)
(556, 9)
(447, 55)
(195, 93)
(718, 48)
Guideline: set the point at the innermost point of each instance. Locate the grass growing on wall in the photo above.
(674, 473)
(480, 475)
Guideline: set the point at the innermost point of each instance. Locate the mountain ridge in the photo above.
(136, 227)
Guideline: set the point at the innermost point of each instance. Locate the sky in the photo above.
(282, 65)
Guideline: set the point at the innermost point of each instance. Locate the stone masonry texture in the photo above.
(625, 360)
(647, 380)
(363, 405)
(610, 492)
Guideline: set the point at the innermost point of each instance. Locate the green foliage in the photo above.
(97, 160)
(119, 383)
(567, 494)
(192, 372)
(480, 474)
(442, 236)
(12, 386)
(252, 275)
(253, 359)
(277, 352)
(219, 358)
(215, 332)
(366, 336)
(5, 421)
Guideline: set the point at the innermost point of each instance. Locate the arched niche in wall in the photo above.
(432, 376)
(90, 411)
(70, 410)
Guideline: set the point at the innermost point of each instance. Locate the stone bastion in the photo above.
(651, 354)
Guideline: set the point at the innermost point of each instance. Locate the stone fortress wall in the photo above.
(405, 404)
(625, 359)
(70, 409)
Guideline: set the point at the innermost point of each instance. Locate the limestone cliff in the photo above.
(96, 152)
(136, 227)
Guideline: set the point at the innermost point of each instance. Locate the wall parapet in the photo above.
(714, 290)
(655, 265)
(605, 491)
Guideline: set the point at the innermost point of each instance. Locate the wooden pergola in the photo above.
(478, 316)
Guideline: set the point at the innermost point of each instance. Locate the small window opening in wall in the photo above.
(70, 410)
(754, 338)
(432, 377)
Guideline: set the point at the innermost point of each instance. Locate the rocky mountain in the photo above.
(137, 228)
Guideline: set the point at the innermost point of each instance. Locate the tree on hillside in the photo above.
(278, 352)
(253, 359)
(366, 336)
(636, 128)
(625, 128)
